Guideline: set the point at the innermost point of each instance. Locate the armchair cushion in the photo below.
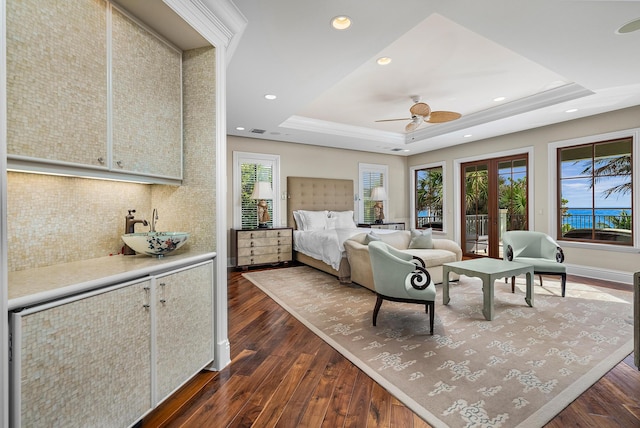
(536, 249)
(399, 280)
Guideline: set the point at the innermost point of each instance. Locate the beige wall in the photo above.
(301, 160)
(587, 261)
(313, 161)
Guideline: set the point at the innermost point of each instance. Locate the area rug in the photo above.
(518, 370)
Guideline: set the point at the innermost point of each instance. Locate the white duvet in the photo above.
(326, 245)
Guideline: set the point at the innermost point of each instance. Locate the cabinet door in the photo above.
(84, 362)
(57, 81)
(184, 329)
(147, 102)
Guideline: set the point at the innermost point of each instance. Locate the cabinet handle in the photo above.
(251, 235)
(162, 299)
(252, 244)
(146, 298)
(101, 160)
(252, 252)
(119, 163)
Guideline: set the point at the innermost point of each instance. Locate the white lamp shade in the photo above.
(379, 194)
(262, 190)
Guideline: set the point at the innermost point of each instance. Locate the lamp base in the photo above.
(263, 226)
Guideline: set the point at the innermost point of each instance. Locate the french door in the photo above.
(494, 200)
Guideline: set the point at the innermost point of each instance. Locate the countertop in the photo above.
(35, 286)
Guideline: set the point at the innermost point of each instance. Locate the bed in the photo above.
(322, 194)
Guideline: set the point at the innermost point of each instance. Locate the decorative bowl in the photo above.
(155, 243)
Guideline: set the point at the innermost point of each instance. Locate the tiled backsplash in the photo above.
(54, 219)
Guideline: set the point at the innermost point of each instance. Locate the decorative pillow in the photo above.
(344, 219)
(314, 220)
(371, 237)
(421, 239)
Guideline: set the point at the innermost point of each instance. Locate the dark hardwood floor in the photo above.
(283, 375)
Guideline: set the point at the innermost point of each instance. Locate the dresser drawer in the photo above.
(263, 246)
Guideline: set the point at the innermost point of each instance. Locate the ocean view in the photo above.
(583, 219)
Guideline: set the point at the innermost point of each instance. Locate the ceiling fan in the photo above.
(421, 112)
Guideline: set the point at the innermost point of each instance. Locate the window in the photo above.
(428, 197)
(595, 192)
(371, 176)
(250, 168)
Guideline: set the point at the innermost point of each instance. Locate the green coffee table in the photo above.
(488, 270)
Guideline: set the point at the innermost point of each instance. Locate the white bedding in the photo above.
(327, 245)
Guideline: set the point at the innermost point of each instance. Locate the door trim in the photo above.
(457, 180)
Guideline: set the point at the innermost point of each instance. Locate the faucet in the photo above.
(154, 218)
(129, 227)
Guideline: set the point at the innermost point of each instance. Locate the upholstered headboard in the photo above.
(316, 194)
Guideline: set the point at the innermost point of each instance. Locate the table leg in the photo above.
(529, 297)
(487, 291)
(445, 285)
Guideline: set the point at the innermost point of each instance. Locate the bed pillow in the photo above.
(421, 239)
(344, 219)
(297, 217)
(331, 223)
(314, 220)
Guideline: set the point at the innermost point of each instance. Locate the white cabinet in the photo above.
(184, 326)
(83, 361)
(57, 81)
(146, 101)
(108, 356)
(91, 92)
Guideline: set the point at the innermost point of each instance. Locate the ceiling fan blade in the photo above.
(443, 116)
(392, 120)
(420, 109)
(415, 122)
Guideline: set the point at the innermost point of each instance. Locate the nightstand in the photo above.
(263, 246)
(393, 226)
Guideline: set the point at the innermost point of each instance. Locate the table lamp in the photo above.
(262, 191)
(379, 195)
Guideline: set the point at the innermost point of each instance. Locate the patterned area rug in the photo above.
(518, 370)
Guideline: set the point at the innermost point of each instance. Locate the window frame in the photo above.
(273, 161)
(413, 186)
(364, 193)
(554, 189)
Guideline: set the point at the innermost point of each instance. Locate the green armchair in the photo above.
(537, 249)
(400, 277)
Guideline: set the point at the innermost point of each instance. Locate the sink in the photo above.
(155, 243)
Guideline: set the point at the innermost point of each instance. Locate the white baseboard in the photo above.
(604, 274)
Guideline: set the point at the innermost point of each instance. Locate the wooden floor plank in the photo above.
(274, 356)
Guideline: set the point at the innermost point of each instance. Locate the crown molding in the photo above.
(218, 21)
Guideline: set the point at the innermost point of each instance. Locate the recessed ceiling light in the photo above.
(239, 128)
(571, 110)
(499, 99)
(384, 60)
(629, 27)
(341, 22)
(270, 97)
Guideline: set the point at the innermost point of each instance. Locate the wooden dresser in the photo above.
(263, 246)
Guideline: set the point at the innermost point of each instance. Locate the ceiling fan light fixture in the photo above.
(341, 22)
